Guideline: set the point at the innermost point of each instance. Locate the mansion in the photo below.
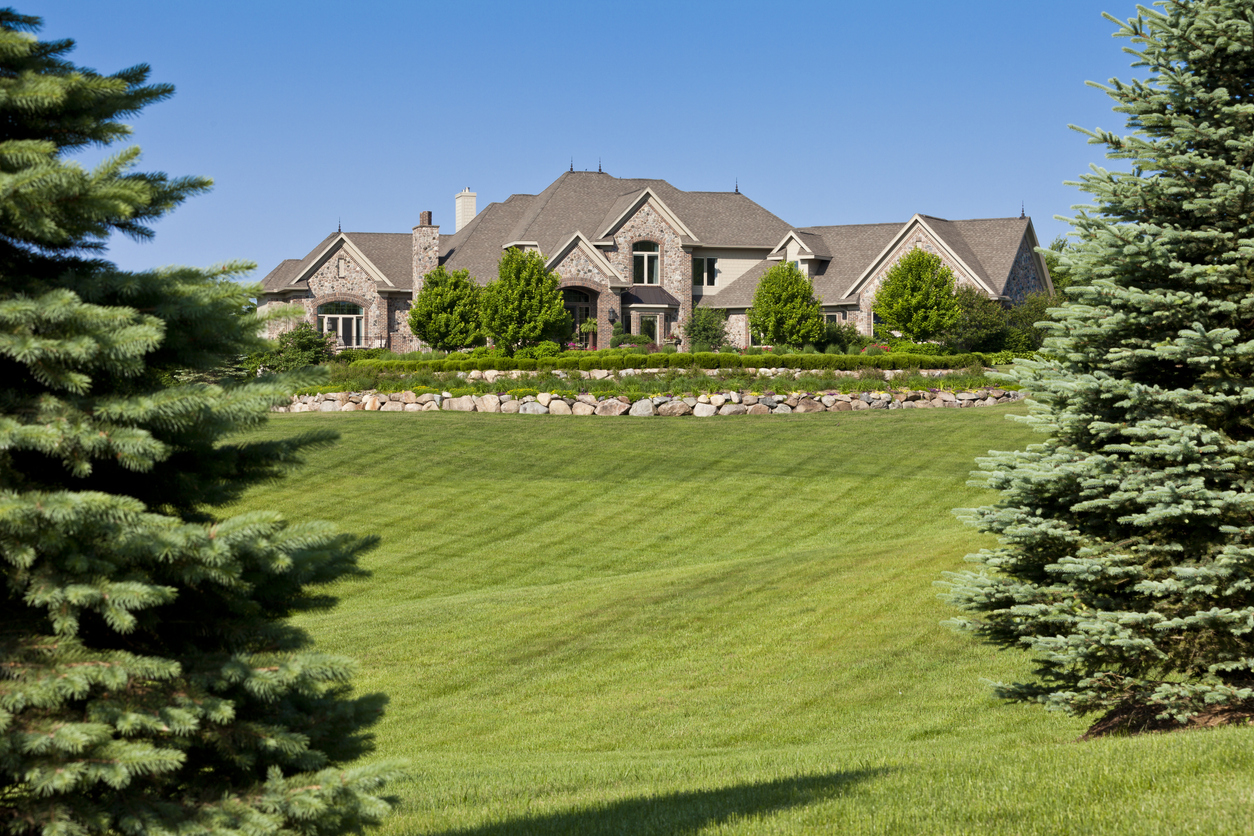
(641, 252)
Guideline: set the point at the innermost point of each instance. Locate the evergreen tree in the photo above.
(150, 682)
(785, 310)
(917, 296)
(1126, 564)
(523, 307)
(445, 314)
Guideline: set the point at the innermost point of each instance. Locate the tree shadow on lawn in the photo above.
(680, 813)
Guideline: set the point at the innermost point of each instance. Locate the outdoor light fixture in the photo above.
(613, 315)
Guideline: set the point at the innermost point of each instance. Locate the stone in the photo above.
(809, 405)
(879, 404)
(845, 398)
(967, 396)
(599, 374)
(733, 409)
(395, 396)
(692, 402)
(585, 398)
(704, 410)
(392, 406)
(348, 407)
(491, 375)
(997, 393)
(465, 403)
(658, 400)
(475, 375)
(944, 396)
(791, 401)
(488, 403)
(735, 396)
(842, 406)
(703, 398)
(413, 407)
(767, 401)
(446, 394)
(533, 408)
(583, 408)
(557, 406)
(425, 398)
(717, 400)
(758, 409)
(782, 409)
(613, 407)
(989, 401)
(749, 400)
(860, 404)
(828, 401)
(371, 403)
(673, 409)
(543, 398)
(642, 408)
(408, 397)
(511, 407)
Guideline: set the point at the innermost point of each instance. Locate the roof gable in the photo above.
(584, 244)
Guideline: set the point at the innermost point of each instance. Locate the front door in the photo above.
(578, 304)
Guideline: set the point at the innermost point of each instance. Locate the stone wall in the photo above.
(675, 265)
(579, 271)
(1024, 277)
(738, 329)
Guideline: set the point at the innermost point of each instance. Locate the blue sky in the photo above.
(824, 112)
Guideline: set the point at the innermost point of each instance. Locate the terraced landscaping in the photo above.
(659, 627)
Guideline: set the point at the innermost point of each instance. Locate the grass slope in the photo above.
(729, 626)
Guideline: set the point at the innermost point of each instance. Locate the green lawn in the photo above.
(721, 626)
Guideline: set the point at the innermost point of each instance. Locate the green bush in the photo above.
(522, 393)
(526, 364)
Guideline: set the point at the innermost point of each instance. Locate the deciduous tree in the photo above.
(151, 682)
(524, 305)
(917, 296)
(785, 310)
(1126, 564)
(446, 313)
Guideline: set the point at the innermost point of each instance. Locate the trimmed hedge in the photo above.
(612, 360)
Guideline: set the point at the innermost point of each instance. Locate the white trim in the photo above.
(792, 233)
(522, 245)
(662, 209)
(896, 242)
(594, 255)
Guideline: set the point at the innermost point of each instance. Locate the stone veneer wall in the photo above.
(918, 238)
(577, 270)
(1024, 278)
(675, 265)
(738, 329)
(355, 286)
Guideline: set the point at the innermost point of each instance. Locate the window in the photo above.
(343, 319)
(644, 262)
(704, 272)
(839, 316)
(649, 326)
(801, 266)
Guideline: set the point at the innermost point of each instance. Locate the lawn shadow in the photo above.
(679, 813)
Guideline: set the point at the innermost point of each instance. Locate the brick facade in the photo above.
(674, 264)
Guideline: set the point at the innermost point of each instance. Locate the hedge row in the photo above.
(680, 360)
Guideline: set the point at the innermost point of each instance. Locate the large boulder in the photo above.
(705, 410)
(782, 409)
(759, 409)
(543, 398)
(488, 403)
(612, 407)
(673, 409)
(642, 408)
(732, 409)
(331, 406)
(466, 403)
(392, 406)
(511, 407)
(583, 408)
(557, 406)
(808, 405)
(533, 408)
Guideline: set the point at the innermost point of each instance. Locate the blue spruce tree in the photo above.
(149, 682)
(1126, 564)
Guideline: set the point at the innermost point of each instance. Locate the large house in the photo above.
(643, 252)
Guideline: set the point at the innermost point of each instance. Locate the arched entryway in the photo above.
(581, 305)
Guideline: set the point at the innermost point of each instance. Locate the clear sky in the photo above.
(310, 113)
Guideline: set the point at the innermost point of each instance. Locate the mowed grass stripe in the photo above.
(720, 626)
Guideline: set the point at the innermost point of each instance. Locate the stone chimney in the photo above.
(465, 204)
(426, 248)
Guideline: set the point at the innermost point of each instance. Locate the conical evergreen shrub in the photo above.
(149, 680)
(1126, 564)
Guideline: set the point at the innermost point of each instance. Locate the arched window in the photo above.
(644, 262)
(343, 319)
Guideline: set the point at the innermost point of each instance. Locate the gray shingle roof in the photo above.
(391, 252)
(588, 202)
(987, 245)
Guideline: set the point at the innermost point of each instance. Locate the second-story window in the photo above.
(644, 262)
(704, 272)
